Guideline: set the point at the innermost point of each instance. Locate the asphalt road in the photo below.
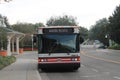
(96, 65)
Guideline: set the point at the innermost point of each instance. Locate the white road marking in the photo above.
(116, 77)
(88, 76)
(95, 70)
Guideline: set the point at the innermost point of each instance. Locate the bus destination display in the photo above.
(58, 30)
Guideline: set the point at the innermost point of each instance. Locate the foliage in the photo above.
(115, 46)
(7, 60)
(84, 32)
(67, 21)
(62, 21)
(98, 31)
(114, 25)
(24, 27)
(6, 22)
(28, 29)
(39, 25)
(3, 33)
(3, 39)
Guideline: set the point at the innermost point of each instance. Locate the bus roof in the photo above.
(59, 27)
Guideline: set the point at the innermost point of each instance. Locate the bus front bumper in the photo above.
(75, 65)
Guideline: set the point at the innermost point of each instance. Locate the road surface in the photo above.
(96, 64)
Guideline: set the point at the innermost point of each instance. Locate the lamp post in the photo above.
(110, 41)
(32, 41)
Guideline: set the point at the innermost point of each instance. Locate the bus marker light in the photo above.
(78, 59)
(74, 59)
(39, 60)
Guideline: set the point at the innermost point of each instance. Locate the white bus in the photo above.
(58, 46)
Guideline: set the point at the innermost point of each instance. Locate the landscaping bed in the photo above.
(115, 46)
(6, 60)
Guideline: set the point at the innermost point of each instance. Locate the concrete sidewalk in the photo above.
(25, 68)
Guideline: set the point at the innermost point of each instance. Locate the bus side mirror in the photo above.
(81, 40)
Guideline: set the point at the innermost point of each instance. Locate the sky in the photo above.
(86, 12)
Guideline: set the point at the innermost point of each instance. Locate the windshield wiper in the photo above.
(59, 47)
(52, 47)
(68, 50)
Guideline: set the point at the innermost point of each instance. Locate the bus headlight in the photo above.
(42, 60)
(74, 59)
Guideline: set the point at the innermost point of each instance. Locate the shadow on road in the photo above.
(56, 70)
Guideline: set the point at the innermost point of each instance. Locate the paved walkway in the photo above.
(25, 68)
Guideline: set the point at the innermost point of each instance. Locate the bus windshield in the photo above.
(59, 43)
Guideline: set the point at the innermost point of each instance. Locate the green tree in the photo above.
(114, 25)
(67, 21)
(99, 31)
(28, 29)
(24, 28)
(84, 32)
(6, 22)
(3, 34)
(62, 21)
(3, 39)
(36, 25)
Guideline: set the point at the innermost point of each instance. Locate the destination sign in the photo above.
(58, 30)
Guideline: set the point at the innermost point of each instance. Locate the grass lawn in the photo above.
(6, 60)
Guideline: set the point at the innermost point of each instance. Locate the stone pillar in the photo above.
(110, 42)
(9, 47)
(13, 48)
(17, 45)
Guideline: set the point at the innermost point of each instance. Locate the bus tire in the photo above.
(75, 69)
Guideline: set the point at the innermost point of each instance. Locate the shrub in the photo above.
(115, 46)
